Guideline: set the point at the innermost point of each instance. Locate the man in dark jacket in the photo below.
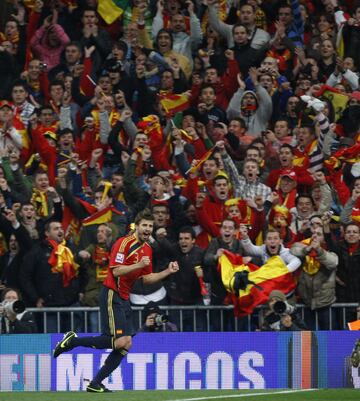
(348, 270)
(184, 288)
(50, 275)
(19, 243)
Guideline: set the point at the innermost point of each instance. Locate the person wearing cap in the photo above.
(286, 191)
(286, 158)
(240, 211)
(280, 220)
(9, 135)
(289, 320)
(155, 321)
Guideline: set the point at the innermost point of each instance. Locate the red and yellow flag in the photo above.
(150, 125)
(71, 224)
(349, 155)
(273, 275)
(173, 103)
(102, 216)
(200, 162)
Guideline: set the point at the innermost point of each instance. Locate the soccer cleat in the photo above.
(97, 388)
(65, 344)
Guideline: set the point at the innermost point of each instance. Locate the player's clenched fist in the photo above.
(145, 261)
(173, 267)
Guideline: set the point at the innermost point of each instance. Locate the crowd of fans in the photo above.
(235, 122)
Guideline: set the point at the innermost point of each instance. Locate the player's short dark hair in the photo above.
(143, 215)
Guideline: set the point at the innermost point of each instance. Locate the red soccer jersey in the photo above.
(127, 251)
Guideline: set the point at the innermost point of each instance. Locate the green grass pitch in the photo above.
(189, 395)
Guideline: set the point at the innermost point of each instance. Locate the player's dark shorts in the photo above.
(116, 314)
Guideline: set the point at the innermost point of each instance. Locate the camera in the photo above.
(13, 307)
(283, 308)
(159, 320)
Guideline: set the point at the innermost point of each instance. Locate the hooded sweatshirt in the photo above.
(257, 120)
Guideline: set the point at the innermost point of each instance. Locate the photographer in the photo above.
(13, 317)
(281, 315)
(155, 321)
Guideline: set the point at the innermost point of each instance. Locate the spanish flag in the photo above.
(273, 275)
(102, 216)
(173, 103)
(349, 155)
(200, 162)
(150, 125)
(338, 99)
(71, 224)
(111, 10)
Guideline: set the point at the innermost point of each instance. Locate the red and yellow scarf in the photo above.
(62, 261)
(100, 259)
(311, 265)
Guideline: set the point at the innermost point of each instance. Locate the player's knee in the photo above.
(123, 342)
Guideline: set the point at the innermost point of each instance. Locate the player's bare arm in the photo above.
(151, 278)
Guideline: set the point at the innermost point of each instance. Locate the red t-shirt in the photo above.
(127, 251)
